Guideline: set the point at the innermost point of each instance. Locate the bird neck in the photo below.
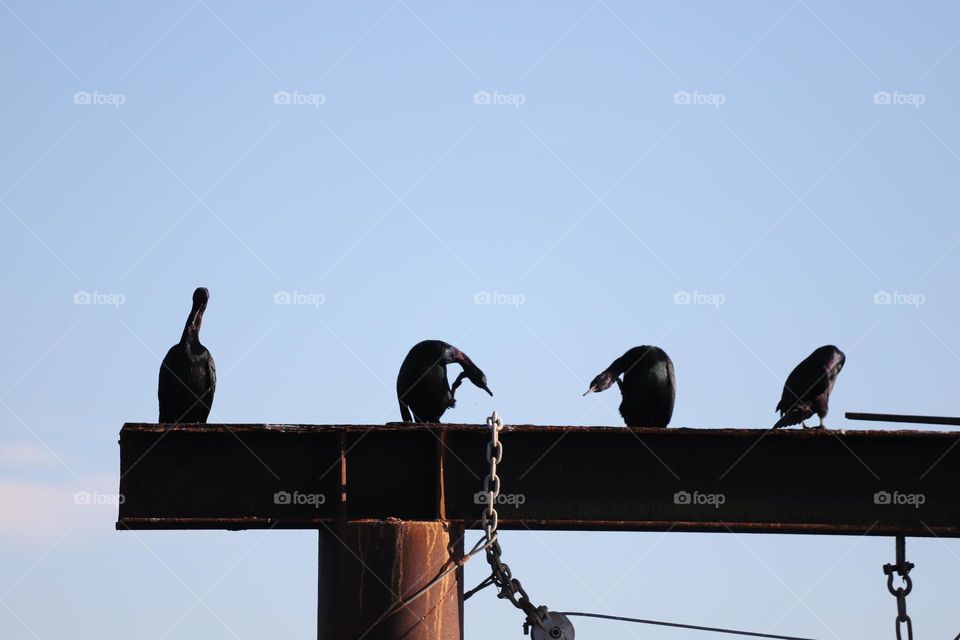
(454, 355)
(451, 355)
(619, 366)
(191, 330)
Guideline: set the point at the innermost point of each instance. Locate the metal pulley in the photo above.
(550, 625)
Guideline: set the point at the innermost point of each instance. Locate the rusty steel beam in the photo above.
(574, 478)
(369, 570)
(894, 417)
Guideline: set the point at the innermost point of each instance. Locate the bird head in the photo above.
(201, 296)
(478, 378)
(474, 375)
(842, 362)
(832, 357)
(602, 382)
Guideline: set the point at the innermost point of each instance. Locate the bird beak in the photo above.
(488, 391)
(590, 390)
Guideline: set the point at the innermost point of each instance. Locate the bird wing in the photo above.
(405, 411)
(673, 384)
(808, 380)
(166, 385)
(211, 379)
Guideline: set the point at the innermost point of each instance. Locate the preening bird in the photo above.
(649, 386)
(422, 387)
(807, 390)
(188, 376)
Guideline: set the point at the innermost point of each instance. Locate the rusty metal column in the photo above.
(367, 568)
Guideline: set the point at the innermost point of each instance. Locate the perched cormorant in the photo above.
(188, 377)
(808, 387)
(422, 386)
(649, 386)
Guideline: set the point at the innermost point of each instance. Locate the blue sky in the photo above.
(783, 163)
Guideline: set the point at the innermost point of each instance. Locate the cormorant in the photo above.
(807, 390)
(649, 386)
(422, 387)
(188, 376)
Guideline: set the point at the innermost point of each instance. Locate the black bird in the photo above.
(649, 386)
(422, 386)
(188, 376)
(808, 387)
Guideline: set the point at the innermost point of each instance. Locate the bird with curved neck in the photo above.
(649, 386)
(423, 391)
(188, 375)
(808, 388)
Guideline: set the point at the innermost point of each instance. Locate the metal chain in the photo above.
(544, 623)
(491, 484)
(901, 568)
(509, 588)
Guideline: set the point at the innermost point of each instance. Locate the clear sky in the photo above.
(584, 163)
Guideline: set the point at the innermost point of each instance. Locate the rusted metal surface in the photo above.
(894, 417)
(574, 478)
(366, 569)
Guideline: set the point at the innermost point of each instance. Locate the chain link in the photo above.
(901, 568)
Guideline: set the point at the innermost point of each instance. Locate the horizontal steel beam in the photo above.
(893, 417)
(576, 478)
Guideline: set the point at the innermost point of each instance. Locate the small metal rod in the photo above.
(893, 417)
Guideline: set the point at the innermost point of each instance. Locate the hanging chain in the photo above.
(543, 623)
(901, 568)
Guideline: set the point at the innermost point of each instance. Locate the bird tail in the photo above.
(405, 412)
(789, 418)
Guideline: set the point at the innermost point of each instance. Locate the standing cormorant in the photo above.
(807, 390)
(649, 386)
(422, 387)
(188, 376)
